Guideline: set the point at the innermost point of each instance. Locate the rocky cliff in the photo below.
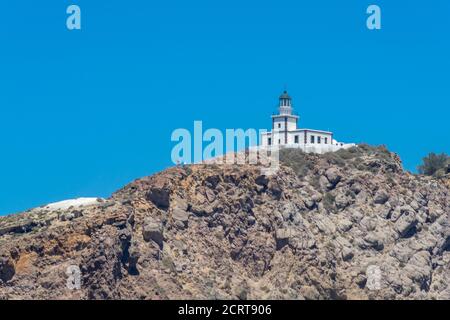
(310, 231)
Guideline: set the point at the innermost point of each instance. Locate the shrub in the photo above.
(334, 158)
(434, 165)
(379, 151)
(352, 157)
(297, 160)
(347, 154)
(315, 181)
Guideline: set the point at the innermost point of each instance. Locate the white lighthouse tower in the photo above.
(286, 134)
(285, 120)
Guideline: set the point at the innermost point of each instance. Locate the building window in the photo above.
(269, 141)
(326, 140)
(279, 141)
(312, 139)
(319, 139)
(296, 139)
(279, 125)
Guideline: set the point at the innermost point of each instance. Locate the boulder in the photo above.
(202, 210)
(356, 188)
(341, 201)
(212, 181)
(262, 180)
(374, 240)
(288, 211)
(7, 269)
(282, 237)
(160, 196)
(381, 197)
(344, 224)
(401, 210)
(152, 230)
(309, 293)
(309, 203)
(402, 251)
(419, 269)
(405, 224)
(179, 203)
(347, 253)
(325, 225)
(180, 217)
(334, 176)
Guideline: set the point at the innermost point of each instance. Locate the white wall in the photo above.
(291, 124)
(274, 137)
(320, 148)
(322, 136)
(278, 124)
(308, 148)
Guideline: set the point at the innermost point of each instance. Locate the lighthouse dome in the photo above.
(285, 95)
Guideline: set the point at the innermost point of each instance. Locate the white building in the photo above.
(286, 134)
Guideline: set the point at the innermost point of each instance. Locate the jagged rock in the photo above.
(302, 241)
(288, 210)
(262, 180)
(374, 240)
(180, 203)
(334, 176)
(68, 216)
(309, 293)
(202, 210)
(402, 210)
(309, 203)
(153, 231)
(446, 244)
(368, 223)
(325, 225)
(133, 257)
(384, 211)
(341, 201)
(406, 223)
(344, 225)
(160, 196)
(180, 217)
(209, 231)
(419, 269)
(282, 237)
(347, 254)
(402, 251)
(213, 181)
(381, 197)
(7, 269)
(275, 189)
(356, 188)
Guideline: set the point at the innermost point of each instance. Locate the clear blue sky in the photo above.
(84, 112)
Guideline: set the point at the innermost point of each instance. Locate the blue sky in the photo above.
(84, 112)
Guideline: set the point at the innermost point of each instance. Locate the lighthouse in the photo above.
(286, 134)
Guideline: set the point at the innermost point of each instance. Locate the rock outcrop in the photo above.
(310, 231)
